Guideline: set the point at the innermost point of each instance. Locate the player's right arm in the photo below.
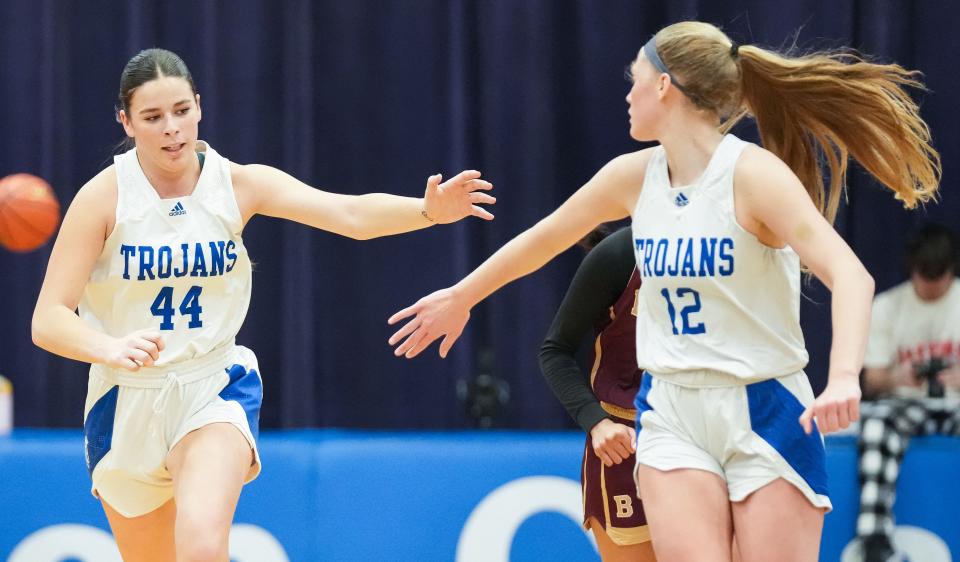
(610, 195)
(56, 326)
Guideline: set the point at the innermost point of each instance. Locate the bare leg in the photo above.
(208, 467)
(689, 514)
(613, 552)
(762, 533)
(147, 538)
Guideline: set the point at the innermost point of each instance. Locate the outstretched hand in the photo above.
(438, 314)
(836, 408)
(457, 197)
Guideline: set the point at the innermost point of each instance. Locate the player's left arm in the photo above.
(775, 204)
(268, 191)
(599, 281)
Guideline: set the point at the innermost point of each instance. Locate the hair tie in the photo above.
(734, 49)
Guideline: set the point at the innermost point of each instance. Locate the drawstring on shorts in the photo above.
(171, 382)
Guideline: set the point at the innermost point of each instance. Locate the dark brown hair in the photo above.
(145, 66)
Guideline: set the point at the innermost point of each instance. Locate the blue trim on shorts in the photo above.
(774, 413)
(245, 389)
(640, 402)
(98, 427)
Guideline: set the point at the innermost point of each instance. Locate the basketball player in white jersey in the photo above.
(726, 439)
(151, 252)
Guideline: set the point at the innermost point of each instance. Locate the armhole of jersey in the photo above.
(649, 175)
(229, 194)
(125, 186)
(728, 196)
(116, 208)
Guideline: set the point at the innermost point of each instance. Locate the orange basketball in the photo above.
(29, 212)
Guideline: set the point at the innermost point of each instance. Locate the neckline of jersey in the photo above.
(711, 163)
(196, 187)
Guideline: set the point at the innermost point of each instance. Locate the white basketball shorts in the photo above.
(748, 434)
(133, 419)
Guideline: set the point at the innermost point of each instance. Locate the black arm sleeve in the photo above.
(598, 283)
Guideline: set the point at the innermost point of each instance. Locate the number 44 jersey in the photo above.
(177, 266)
(716, 305)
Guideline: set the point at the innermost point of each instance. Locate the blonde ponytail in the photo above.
(823, 106)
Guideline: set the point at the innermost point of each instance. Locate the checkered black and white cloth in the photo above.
(886, 428)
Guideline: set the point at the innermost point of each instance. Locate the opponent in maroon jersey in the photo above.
(602, 296)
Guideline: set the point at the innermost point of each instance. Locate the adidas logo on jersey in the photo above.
(178, 210)
(681, 200)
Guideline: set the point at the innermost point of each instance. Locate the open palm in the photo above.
(439, 314)
(457, 197)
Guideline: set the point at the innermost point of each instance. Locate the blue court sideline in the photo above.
(360, 495)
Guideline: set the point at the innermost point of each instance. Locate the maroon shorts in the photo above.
(610, 496)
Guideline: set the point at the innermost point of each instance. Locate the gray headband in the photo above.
(650, 51)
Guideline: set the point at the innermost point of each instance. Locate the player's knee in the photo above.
(197, 547)
(201, 541)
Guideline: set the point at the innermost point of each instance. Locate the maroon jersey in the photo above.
(615, 377)
(600, 302)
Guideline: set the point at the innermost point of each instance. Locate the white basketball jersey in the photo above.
(173, 265)
(713, 297)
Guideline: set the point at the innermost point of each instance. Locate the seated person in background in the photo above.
(912, 369)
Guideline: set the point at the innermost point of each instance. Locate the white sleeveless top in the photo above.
(174, 265)
(716, 306)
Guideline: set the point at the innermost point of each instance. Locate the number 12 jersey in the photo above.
(716, 305)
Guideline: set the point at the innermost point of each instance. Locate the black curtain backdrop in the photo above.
(374, 95)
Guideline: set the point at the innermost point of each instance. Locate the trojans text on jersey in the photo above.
(685, 257)
(197, 259)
